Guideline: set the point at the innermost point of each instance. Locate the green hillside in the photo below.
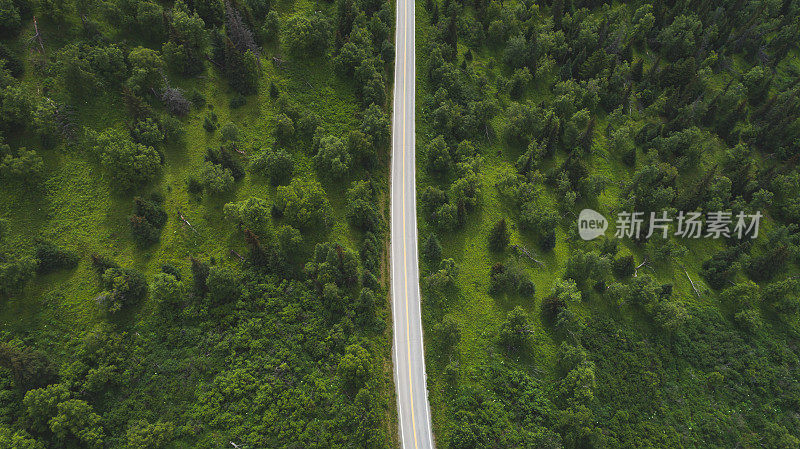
(192, 249)
(529, 112)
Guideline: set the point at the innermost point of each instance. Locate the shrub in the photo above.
(197, 99)
(498, 237)
(284, 128)
(147, 70)
(14, 274)
(243, 71)
(276, 165)
(194, 186)
(515, 331)
(304, 204)
(52, 258)
(511, 278)
(272, 28)
(77, 421)
(252, 213)
(15, 109)
(361, 212)
(147, 220)
(229, 132)
(432, 250)
(308, 35)
(143, 435)
(130, 164)
(25, 166)
(147, 132)
(167, 290)
(225, 157)
(123, 287)
(29, 368)
(447, 333)
(175, 101)
(355, 367)
(332, 157)
(216, 179)
(223, 286)
(624, 266)
(186, 49)
(210, 122)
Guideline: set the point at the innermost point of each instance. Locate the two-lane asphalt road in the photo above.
(408, 353)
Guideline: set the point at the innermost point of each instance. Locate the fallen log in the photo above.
(186, 222)
(528, 254)
(696, 292)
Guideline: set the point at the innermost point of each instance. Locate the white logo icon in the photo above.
(591, 224)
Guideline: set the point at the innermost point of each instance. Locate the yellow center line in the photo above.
(405, 265)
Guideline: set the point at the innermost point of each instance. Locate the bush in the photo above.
(51, 258)
(77, 421)
(276, 165)
(361, 212)
(272, 28)
(515, 331)
(216, 179)
(223, 286)
(355, 367)
(194, 186)
(185, 51)
(147, 220)
(308, 35)
(210, 122)
(123, 287)
(15, 109)
(147, 132)
(130, 164)
(432, 250)
(147, 71)
(24, 166)
(197, 99)
(143, 435)
(229, 132)
(284, 128)
(447, 333)
(305, 205)
(175, 101)
(252, 213)
(624, 266)
(243, 71)
(14, 274)
(29, 368)
(498, 237)
(510, 279)
(332, 157)
(225, 157)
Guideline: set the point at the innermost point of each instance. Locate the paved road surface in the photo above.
(408, 353)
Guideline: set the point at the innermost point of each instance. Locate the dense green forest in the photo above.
(192, 242)
(529, 112)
